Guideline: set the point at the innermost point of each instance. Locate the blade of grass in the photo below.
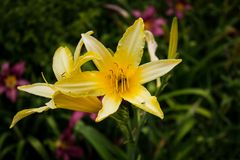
(38, 146)
(188, 91)
(20, 147)
(102, 145)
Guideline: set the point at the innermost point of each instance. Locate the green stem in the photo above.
(131, 146)
(130, 139)
(133, 151)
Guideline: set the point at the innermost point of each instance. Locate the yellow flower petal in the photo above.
(94, 45)
(83, 104)
(51, 104)
(110, 105)
(39, 89)
(141, 98)
(173, 40)
(26, 112)
(79, 47)
(83, 59)
(82, 84)
(62, 62)
(130, 47)
(155, 69)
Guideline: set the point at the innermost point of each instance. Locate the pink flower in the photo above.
(66, 146)
(152, 23)
(76, 116)
(10, 78)
(179, 8)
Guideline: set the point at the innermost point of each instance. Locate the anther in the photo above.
(116, 64)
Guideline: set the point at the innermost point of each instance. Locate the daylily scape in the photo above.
(119, 77)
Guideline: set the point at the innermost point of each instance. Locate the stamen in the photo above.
(45, 80)
(116, 64)
(110, 76)
(124, 85)
(116, 83)
(118, 80)
(127, 83)
(111, 71)
(122, 82)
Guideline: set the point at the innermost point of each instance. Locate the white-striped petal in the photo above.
(39, 89)
(83, 84)
(130, 47)
(155, 69)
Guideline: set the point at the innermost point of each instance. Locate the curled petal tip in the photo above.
(21, 88)
(178, 60)
(26, 112)
(11, 126)
(161, 116)
(139, 20)
(87, 33)
(97, 120)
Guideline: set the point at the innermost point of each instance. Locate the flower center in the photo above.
(118, 80)
(180, 7)
(10, 81)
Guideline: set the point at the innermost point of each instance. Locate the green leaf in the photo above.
(189, 91)
(183, 152)
(20, 147)
(185, 127)
(52, 123)
(3, 137)
(6, 150)
(102, 145)
(37, 145)
(185, 107)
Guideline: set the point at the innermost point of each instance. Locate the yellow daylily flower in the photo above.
(120, 77)
(63, 66)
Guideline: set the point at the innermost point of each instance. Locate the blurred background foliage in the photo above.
(200, 102)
